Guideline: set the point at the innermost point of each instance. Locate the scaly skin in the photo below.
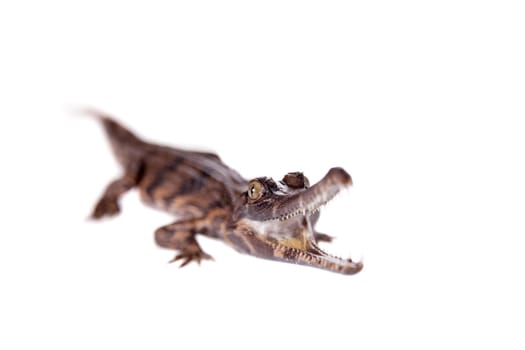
(262, 217)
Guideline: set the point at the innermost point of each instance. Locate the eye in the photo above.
(296, 180)
(255, 190)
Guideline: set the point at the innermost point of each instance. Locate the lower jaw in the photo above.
(317, 258)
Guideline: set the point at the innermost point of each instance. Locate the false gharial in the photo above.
(262, 217)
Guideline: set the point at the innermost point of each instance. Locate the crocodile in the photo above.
(261, 217)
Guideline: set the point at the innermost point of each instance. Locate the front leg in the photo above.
(180, 236)
(322, 237)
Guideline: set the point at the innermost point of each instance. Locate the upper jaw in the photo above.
(309, 201)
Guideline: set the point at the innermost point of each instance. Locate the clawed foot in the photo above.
(105, 207)
(189, 256)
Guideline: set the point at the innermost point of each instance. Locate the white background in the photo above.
(422, 102)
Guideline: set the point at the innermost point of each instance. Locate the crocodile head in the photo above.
(276, 220)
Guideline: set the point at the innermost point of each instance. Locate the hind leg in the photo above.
(181, 237)
(108, 203)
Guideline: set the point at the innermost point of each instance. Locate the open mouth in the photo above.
(307, 252)
(303, 249)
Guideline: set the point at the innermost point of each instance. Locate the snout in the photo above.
(339, 175)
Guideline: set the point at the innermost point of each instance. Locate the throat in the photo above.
(294, 233)
(300, 242)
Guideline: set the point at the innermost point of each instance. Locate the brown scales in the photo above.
(263, 217)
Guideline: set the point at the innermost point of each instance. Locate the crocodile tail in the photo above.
(125, 144)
